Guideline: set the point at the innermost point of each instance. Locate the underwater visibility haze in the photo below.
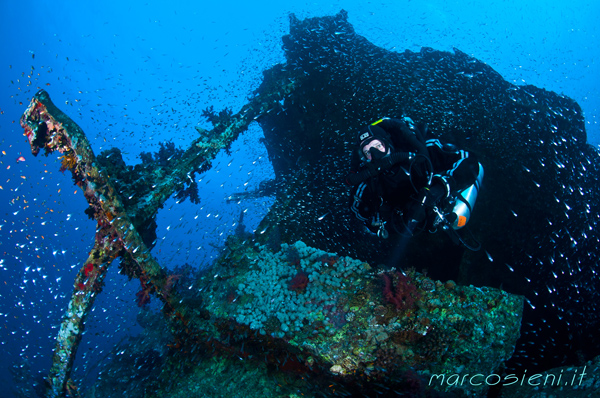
(221, 135)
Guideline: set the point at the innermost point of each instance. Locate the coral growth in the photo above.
(293, 288)
(221, 118)
(139, 183)
(328, 259)
(88, 269)
(434, 345)
(399, 290)
(67, 162)
(190, 192)
(299, 282)
(167, 157)
(143, 296)
(170, 283)
(89, 277)
(386, 361)
(147, 288)
(292, 255)
(166, 153)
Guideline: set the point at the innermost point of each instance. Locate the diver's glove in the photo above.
(388, 161)
(371, 169)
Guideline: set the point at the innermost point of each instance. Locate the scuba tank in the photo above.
(465, 200)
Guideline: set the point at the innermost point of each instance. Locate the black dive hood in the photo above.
(370, 133)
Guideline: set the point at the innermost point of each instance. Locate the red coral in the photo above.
(89, 272)
(326, 259)
(143, 296)
(299, 282)
(399, 290)
(87, 269)
(170, 283)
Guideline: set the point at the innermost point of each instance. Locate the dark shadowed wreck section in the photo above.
(536, 215)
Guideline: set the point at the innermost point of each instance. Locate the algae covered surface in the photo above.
(343, 317)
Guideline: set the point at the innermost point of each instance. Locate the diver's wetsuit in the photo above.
(396, 190)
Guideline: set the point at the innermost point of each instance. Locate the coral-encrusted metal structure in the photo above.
(48, 128)
(348, 323)
(334, 316)
(340, 321)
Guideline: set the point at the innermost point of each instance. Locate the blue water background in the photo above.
(134, 74)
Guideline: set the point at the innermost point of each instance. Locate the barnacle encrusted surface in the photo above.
(342, 320)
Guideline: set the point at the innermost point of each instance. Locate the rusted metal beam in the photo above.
(198, 157)
(88, 283)
(49, 128)
(46, 127)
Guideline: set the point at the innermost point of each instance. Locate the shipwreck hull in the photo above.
(537, 212)
(312, 292)
(358, 328)
(334, 318)
(312, 135)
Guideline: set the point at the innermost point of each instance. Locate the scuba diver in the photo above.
(404, 184)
